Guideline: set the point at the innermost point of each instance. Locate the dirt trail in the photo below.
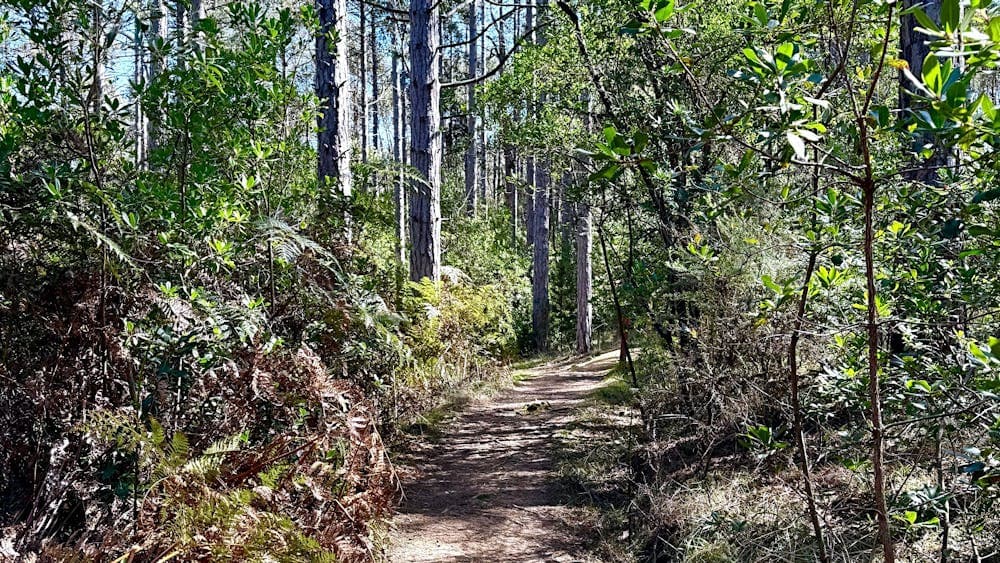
(486, 491)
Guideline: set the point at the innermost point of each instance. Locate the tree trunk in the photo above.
(397, 148)
(542, 242)
(482, 129)
(529, 200)
(914, 49)
(139, 73)
(157, 35)
(510, 182)
(181, 25)
(540, 263)
(471, 152)
(333, 90)
(197, 15)
(373, 47)
(425, 141)
(529, 166)
(362, 75)
(584, 277)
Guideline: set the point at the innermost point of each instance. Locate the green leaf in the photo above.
(924, 20)
(751, 56)
(950, 14)
(640, 139)
(760, 12)
(609, 172)
(610, 134)
(994, 29)
(932, 74)
(988, 195)
(663, 13)
(783, 56)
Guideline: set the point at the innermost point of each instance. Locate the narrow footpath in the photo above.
(487, 489)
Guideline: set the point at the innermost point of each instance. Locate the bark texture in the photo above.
(156, 36)
(510, 183)
(399, 193)
(471, 152)
(333, 90)
(540, 263)
(584, 277)
(373, 47)
(425, 141)
(914, 48)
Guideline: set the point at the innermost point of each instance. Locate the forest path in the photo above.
(487, 490)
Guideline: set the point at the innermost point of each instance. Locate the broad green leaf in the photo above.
(950, 14)
(664, 13)
(932, 74)
(924, 20)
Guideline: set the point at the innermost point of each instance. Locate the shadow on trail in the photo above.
(487, 490)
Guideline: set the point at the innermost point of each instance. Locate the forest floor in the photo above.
(487, 488)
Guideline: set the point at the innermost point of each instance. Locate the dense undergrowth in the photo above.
(791, 210)
(196, 365)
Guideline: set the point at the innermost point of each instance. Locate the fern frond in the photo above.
(101, 239)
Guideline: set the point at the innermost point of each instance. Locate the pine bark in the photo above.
(156, 36)
(529, 166)
(471, 152)
(540, 263)
(584, 277)
(425, 140)
(914, 48)
(483, 196)
(362, 75)
(197, 13)
(542, 243)
(139, 73)
(397, 147)
(373, 47)
(333, 90)
(510, 183)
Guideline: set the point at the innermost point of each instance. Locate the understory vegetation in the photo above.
(197, 362)
(248, 247)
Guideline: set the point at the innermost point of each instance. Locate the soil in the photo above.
(487, 489)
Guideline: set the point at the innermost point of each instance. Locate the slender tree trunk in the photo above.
(914, 48)
(197, 12)
(584, 277)
(139, 73)
(510, 182)
(397, 148)
(471, 153)
(197, 15)
(625, 355)
(425, 140)
(333, 90)
(540, 263)
(874, 387)
(529, 166)
(373, 47)
(482, 129)
(362, 76)
(542, 241)
(181, 26)
(157, 35)
(798, 422)
(529, 200)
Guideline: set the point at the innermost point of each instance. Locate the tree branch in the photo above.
(500, 64)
